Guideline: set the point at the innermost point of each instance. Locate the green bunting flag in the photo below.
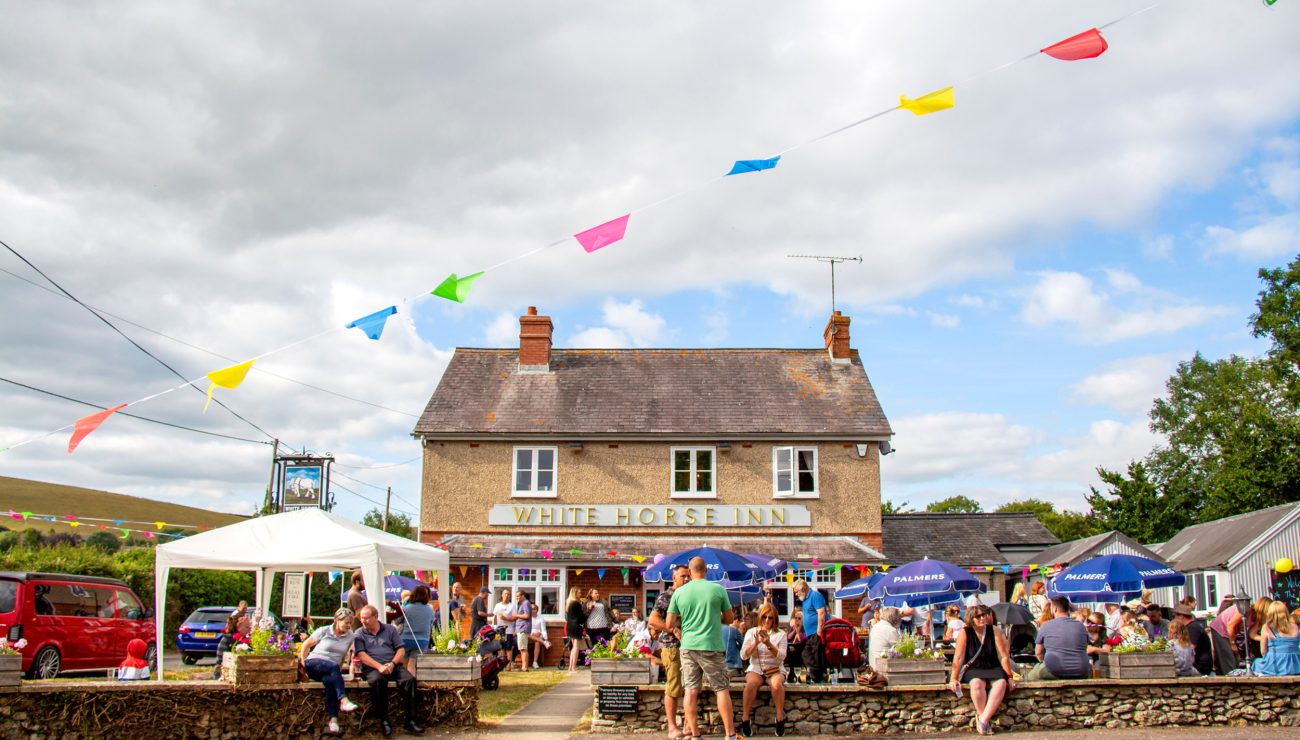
(456, 289)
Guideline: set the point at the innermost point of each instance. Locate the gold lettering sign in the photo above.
(670, 516)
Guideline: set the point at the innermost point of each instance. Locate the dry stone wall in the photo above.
(1059, 705)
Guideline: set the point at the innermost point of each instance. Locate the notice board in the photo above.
(624, 603)
(1286, 587)
(616, 699)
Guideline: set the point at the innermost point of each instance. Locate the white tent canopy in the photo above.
(296, 541)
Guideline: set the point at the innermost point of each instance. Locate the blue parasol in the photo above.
(395, 585)
(1114, 573)
(925, 582)
(723, 565)
(771, 567)
(859, 587)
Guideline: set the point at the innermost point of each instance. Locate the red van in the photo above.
(71, 623)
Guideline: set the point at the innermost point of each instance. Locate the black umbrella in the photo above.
(1011, 614)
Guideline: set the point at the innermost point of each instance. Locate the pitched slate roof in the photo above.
(1211, 545)
(827, 549)
(962, 539)
(1076, 551)
(650, 392)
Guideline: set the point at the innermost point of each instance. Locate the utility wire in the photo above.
(113, 326)
(372, 485)
(364, 498)
(218, 355)
(133, 416)
(377, 467)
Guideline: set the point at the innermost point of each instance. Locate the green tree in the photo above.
(1277, 314)
(889, 507)
(1136, 505)
(1065, 524)
(104, 541)
(955, 505)
(398, 524)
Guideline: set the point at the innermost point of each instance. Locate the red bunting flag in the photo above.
(87, 424)
(1086, 45)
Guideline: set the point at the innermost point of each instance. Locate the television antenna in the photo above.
(833, 261)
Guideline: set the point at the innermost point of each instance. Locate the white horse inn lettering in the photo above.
(605, 515)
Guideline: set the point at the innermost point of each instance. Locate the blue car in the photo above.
(201, 631)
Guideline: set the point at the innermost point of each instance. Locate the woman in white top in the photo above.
(632, 624)
(764, 647)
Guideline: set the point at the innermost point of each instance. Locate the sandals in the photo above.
(983, 729)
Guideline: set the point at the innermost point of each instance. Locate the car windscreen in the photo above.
(8, 594)
(208, 615)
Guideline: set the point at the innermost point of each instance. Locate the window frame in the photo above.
(694, 471)
(824, 579)
(533, 492)
(533, 586)
(794, 493)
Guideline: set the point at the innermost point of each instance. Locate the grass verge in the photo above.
(517, 689)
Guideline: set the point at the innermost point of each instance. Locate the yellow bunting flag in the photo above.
(789, 579)
(463, 568)
(74, 524)
(160, 525)
(229, 377)
(476, 546)
(639, 558)
(929, 103)
(578, 572)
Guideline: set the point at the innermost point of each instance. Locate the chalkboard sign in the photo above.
(624, 603)
(1286, 587)
(616, 699)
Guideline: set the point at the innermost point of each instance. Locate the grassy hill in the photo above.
(58, 500)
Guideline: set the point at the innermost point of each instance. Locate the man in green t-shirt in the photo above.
(700, 608)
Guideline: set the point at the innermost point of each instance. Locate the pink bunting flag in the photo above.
(1086, 45)
(546, 554)
(87, 424)
(603, 235)
(816, 562)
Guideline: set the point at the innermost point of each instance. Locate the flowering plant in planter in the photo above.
(14, 648)
(264, 640)
(907, 649)
(1159, 646)
(446, 641)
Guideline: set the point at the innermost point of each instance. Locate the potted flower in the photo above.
(619, 661)
(910, 665)
(268, 658)
(11, 661)
(1150, 660)
(449, 658)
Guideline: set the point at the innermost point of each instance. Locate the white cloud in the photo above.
(1273, 237)
(945, 320)
(1158, 247)
(625, 325)
(503, 331)
(1122, 281)
(1128, 386)
(970, 301)
(956, 444)
(1071, 298)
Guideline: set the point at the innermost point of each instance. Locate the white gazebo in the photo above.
(296, 541)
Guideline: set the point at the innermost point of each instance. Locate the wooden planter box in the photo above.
(243, 669)
(11, 670)
(620, 672)
(431, 667)
(1137, 665)
(915, 672)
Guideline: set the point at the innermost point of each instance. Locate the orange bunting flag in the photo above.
(87, 424)
(463, 568)
(227, 377)
(1086, 45)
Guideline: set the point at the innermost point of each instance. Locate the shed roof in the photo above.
(656, 392)
(962, 539)
(1211, 545)
(1076, 551)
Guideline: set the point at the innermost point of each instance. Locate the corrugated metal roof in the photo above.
(1212, 544)
(656, 392)
(1076, 551)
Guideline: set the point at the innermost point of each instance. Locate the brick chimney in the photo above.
(837, 337)
(535, 342)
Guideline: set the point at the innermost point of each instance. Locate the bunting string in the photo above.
(1085, 45)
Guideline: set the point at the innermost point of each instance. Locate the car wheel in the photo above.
(47, 662)
(187, 659)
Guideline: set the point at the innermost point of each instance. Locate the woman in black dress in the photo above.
(983, 659)
(575, 618)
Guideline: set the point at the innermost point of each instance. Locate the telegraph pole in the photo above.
(833, 261)
(388, 501)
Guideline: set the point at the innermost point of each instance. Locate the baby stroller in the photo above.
(489, 651)
(840, 645)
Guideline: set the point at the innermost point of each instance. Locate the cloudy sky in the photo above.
(232, 178)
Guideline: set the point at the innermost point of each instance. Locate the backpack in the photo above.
(840, 643)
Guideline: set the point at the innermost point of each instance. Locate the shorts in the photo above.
(705, 666)
(521, 640)
(672, 672)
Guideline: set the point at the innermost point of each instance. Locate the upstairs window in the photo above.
(693, 472)
(794, 472)
(534, 472)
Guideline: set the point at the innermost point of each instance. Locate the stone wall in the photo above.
(1058, 705)
(210, 709)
